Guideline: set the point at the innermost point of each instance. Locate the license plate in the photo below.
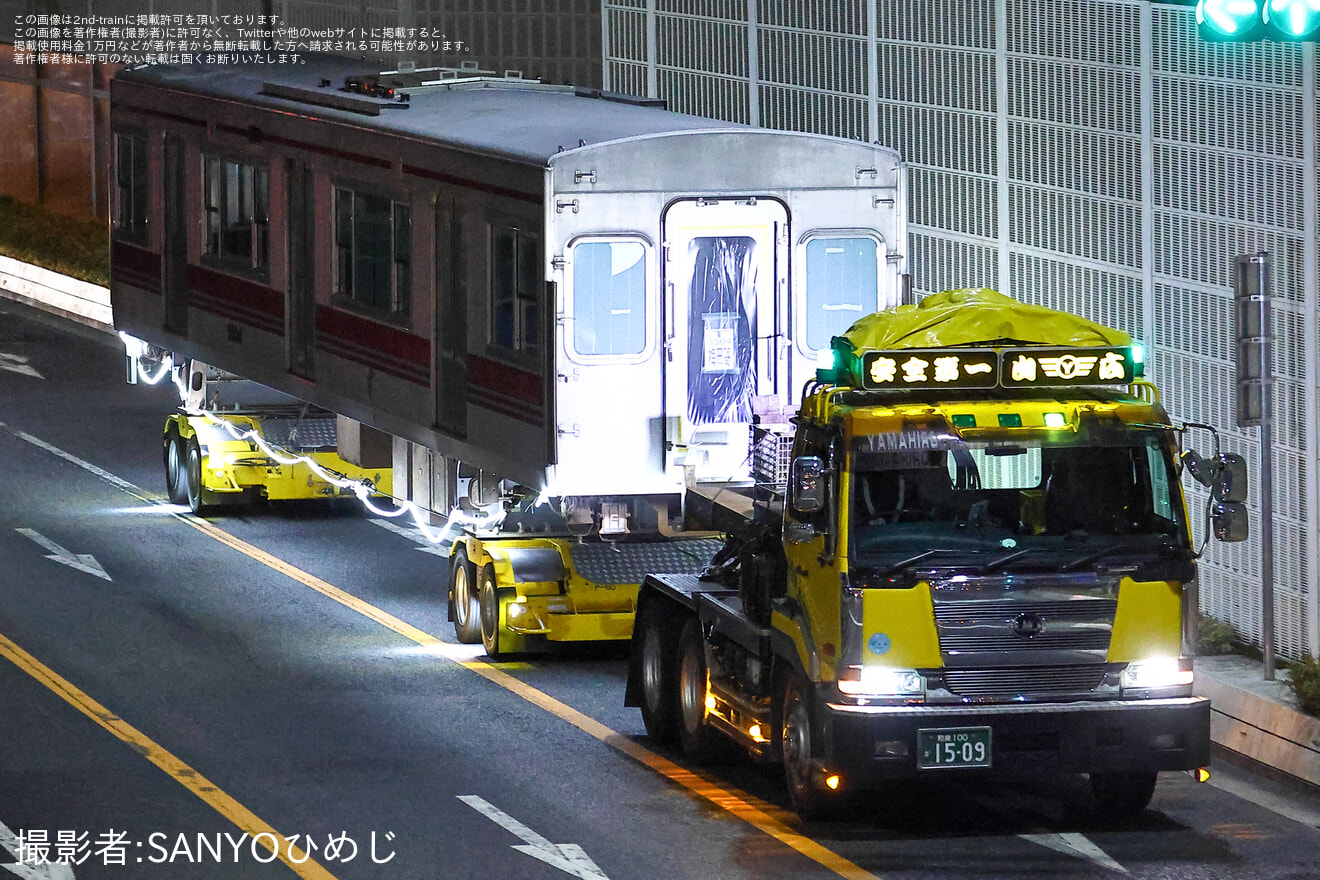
(951, 748)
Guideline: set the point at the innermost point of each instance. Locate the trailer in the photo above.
(555, 304)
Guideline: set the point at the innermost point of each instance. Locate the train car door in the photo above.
(608, 408)
(725, 312)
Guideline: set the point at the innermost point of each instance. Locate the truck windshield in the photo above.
(1043, 494)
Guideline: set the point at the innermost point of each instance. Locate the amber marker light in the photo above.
(832, 782)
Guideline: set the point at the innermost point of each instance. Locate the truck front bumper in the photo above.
(869, 744)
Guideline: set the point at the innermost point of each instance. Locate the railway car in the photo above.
(537, 291)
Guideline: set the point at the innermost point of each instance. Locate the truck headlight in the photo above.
(867, 682)
(1157, 674)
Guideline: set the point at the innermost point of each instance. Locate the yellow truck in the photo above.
(236, 442)
(976, 564)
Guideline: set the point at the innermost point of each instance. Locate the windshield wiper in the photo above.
(1004, 560)
(1114, 548)
(911, 560)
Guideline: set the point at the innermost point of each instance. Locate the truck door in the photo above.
(725, 312)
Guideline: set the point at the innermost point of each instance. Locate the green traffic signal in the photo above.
(1293, 19)
(1231, 19)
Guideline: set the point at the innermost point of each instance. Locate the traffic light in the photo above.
(1248, 20)
(1225, 20)
(1293, 19)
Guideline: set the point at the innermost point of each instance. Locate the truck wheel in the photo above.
(198, 497)
(176, 470)
(463, 595)
(1123, 795)
(659, 684)
(699, 742)
(489, 601)
(804, 793)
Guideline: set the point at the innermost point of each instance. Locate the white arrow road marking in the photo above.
(439, 549)
(1073, 844)
(9, 840)
(81, 561)
(17, 363)
(1070, 844)
(567, 857)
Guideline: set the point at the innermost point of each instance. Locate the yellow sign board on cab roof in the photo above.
(976, 317)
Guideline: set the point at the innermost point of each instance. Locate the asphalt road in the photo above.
(176, 695)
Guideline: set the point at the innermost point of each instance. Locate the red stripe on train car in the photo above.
(135, 265)
(369, 334)
(239, 291)
(504, 379)
(468, 183)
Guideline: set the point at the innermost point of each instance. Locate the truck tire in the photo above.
(198, 498)
(176, 470)
(658, 673)
(463, 596)
(700, 743)
(488, 600)
(1123, 795)
(805, 794)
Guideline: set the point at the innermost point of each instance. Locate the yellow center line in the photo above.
(735, 803)
(245, 819)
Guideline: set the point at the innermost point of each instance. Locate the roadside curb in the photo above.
(1259, 719)
(79, 301)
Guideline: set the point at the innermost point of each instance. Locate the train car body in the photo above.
(527, 285)
(568, 291)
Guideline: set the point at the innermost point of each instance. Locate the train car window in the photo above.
(842, 277)
(131, 187)
(515, 284)
(373, 251)
(609, 297)
(237, 213)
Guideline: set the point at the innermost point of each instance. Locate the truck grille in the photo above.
(1023, 681)
(978, 627)
(1049, 621)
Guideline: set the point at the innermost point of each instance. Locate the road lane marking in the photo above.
(567, 857)
(735, 803)
(85, 465)
(1076, 845)
(185, 775)
(415, 535)
(84, 562)
(17, 363)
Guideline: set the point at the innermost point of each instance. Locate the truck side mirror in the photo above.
(806, 481)
(1229, 519)
(1230, 480)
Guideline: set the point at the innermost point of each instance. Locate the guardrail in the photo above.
(76, 300)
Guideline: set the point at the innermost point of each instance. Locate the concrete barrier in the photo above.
(73, 299)
(1259, 719)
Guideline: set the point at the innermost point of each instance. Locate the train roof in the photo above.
(514, 118)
